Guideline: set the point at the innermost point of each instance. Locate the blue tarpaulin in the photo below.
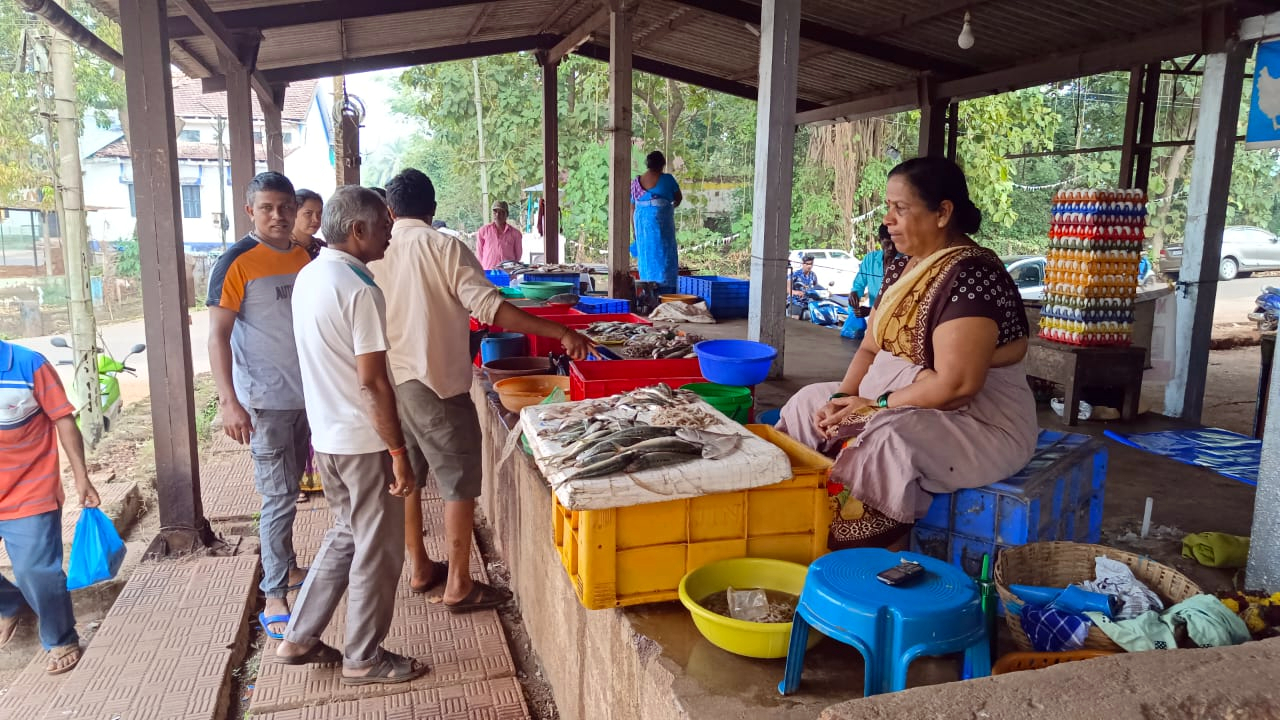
(1229, 454)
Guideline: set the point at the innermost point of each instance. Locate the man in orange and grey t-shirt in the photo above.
(33, 408)
(255, 366)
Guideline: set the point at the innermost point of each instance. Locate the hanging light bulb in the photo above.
(965, 41)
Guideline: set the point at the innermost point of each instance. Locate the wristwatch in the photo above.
(833, 396)
(883, 400)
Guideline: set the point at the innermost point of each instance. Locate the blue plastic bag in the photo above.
(96, 551)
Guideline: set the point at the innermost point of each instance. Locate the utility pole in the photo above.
(484, 163)
(75, 247)
(223, 223)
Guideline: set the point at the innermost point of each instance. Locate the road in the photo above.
(1236, 298)
(118, 338)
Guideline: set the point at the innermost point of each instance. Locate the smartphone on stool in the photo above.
(905, 572)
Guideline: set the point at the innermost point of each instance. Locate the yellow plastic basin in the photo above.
(757, 640)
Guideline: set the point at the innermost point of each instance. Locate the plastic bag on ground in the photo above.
(96, 551)
(683, 312)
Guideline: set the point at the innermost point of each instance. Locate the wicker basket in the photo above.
(1058, 564)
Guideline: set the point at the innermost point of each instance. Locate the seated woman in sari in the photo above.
(936, 397)
(654, 197)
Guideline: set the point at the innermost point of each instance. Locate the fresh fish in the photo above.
(714, 445)
(608, 466)
(646, 461)
(606, 448)
(668, 444)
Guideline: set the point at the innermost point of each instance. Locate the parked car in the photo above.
(835, 269)
(1245, 250)
(1028, 274)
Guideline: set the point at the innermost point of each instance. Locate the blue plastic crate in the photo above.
(572, 278)
(498, 277)
(726, 297)
(597, 305)
(1057, 496)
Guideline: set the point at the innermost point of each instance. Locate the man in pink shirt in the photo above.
(498, 242)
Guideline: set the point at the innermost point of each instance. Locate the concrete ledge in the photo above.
(1219, 683)
(646, 662)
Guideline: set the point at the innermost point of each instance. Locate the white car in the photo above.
(836, 269)
(1028, 274)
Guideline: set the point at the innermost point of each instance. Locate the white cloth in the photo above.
(1112, 577)
(433, 283)
(338, 314)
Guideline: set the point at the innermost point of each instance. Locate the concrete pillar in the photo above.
(551, 161)
(1220, 92)
(620, 285)
(775, 151)
(145, 36)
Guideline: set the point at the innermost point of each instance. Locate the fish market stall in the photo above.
(649, 445)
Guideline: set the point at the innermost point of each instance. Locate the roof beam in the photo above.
(939, 9)
(395, 60)
(681, 17)
(228, 46)
(67, 25)
(1198, 37)
(476, 24)
(579, 35)
(839, 39)
(306, 13)
(685, 75)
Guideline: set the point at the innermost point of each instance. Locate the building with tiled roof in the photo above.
(200, 119)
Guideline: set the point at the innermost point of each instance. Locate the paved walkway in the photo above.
(180, 629)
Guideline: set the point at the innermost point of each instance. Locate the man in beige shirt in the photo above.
(433, 285)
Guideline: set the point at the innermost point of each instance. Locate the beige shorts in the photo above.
(441, 436)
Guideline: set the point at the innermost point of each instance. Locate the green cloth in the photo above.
(1215, 549)
(1209, 624)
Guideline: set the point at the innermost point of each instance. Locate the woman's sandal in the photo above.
(63, 658)
(391, 669)
(481, 597)
(319, 654)
(439, 574)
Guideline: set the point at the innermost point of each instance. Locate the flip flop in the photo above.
(56, 655)
(404, 669)
(319, 654)
(481, 597)
(439, 574)
(268, 620)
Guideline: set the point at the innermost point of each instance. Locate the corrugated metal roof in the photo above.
(850, 48)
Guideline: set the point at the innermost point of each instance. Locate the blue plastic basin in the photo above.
(734, 362)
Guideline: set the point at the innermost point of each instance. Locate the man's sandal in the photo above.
(319, 654)
(391, 669)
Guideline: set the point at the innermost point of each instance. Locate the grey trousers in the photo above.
(362, 555)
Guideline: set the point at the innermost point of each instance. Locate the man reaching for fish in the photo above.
(433, 284)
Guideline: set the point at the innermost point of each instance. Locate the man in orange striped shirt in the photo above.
(33, 409)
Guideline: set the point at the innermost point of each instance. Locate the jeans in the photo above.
(35, 547)
(280, 443)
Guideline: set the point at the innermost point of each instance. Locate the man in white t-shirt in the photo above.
(340, 327)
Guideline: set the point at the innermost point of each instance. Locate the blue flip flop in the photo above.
(268, 620)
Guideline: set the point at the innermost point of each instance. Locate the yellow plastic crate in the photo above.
(638, 554)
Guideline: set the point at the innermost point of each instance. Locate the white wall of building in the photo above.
(108, 180)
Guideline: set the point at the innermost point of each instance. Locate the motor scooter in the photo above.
(108, 382)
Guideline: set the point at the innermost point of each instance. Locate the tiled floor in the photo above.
(168, 646)
(462, 650)
(165, 650)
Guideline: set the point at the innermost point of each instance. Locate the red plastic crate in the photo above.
(601, 378)
(551, 310)
(540, 346)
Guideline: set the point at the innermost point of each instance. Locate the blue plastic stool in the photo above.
(891, 626)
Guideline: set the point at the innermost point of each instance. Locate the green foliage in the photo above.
(128, 261)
